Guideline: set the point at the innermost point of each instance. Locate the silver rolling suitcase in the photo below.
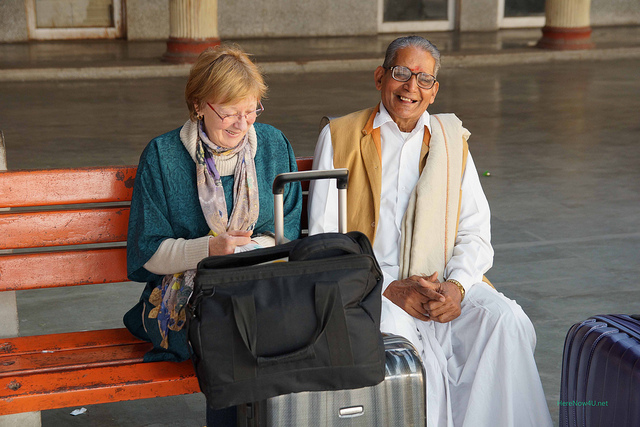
(397, 401)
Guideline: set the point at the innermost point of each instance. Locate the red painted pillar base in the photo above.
(559, 38)
(186, 51)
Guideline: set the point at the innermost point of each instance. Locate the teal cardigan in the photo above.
(165, 205)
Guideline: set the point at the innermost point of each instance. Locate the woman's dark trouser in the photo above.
(226, 417)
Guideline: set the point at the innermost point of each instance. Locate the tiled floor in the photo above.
(560, 141)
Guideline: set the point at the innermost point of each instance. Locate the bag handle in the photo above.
(330, 319)
(342, 181)
(620, 323)
(323, 246)
(246, 259)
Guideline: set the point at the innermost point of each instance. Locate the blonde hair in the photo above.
(224, 74)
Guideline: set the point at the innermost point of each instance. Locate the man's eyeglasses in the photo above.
(403, 74)
(228, 119)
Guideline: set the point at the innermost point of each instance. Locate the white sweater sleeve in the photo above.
(178, 255)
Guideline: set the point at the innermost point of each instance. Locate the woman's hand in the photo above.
(225, 243)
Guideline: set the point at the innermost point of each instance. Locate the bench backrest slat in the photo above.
(61, 223)
(304, 164)
(66, 186)
(67, 227)
(62, 268)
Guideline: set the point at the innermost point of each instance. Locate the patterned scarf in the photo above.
(210, 191)
(173, 294)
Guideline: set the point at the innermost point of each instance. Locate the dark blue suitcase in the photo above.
(600, 383)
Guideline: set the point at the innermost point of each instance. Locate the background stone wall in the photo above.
(13, 21)
(290, 18)
(615, 12)
(149, 19)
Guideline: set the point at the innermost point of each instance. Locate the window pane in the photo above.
(415, 10)
(518, 8)
(74, 13)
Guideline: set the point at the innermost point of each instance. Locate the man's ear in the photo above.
(434, 92)
(378, 74)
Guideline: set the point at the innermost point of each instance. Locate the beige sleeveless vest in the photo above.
(356, 146)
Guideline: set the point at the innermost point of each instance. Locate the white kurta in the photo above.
(480, 367)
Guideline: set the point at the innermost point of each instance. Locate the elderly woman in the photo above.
(204, 189)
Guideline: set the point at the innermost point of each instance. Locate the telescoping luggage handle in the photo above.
(342, 177)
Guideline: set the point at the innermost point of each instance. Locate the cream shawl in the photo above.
(430, 223)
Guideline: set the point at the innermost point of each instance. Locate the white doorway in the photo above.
(74, 19)
(522, 13)
(396, 16)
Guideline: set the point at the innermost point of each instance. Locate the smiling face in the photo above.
(406, 101)
(229, 132)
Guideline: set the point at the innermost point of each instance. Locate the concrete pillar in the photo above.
(3, 153)
(8, 313)
(9, 326)
(8, 307)
(193, 27)
(567, 26)
(27, 419)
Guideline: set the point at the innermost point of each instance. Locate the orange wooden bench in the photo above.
(79, 208)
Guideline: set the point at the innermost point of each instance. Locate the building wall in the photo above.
(283, 18)
(615, 12)
(478, 15)
(13, 21)
(149, 19)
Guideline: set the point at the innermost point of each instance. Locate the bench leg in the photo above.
(27, 419)
(9, 328)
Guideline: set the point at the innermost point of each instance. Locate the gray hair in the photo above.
(411, 41)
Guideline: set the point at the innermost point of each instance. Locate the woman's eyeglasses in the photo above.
(234, 118)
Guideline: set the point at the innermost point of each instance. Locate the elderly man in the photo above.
(414, 191)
